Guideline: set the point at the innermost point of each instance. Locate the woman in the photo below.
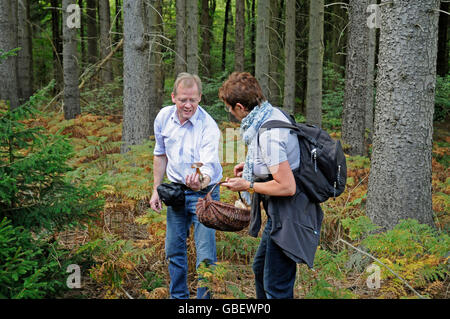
(293, 226)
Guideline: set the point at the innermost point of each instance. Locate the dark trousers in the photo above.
(274, 271)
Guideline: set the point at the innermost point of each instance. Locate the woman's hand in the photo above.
(238, 169)
(237, 184)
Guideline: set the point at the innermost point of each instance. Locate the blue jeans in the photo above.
(274, 271)
(179, 221)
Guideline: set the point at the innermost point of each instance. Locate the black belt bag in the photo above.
(171, 194)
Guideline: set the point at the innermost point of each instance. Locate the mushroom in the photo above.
(197, 167)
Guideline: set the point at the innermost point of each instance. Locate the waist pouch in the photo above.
(172, 194)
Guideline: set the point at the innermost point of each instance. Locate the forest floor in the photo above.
(126, 243)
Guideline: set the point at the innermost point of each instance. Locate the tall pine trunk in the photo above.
(70, 65)
(92, 34)
(57, 45)
(275, 51)
(192, 36)
(289, 58)
(206, 22)
(225, 33)
(180, 38)
(262, 45)
(315, 63)
(137, 94)
(25, 58)
(8, 41)
(355, 97)
(105, 39)
(239, 54)
(370, 101)
(400, 174)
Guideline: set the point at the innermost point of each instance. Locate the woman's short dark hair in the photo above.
(243, 88)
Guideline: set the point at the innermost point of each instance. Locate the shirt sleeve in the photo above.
(273, 146)
(160, 148)
(209, 153)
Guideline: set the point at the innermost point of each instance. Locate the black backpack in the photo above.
(323, 168)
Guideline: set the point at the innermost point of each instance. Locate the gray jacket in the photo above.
(296, 223)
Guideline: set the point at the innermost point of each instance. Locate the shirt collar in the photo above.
(194, 119)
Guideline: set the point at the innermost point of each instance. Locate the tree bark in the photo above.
(370, 101)
(92, 35)
(192, 36)
(137, 124)
(105, 39)
(289, 56)
(253, 35)
(156, 59)
(180, 41)
(239, 46)
(9, 89)
(302, 31)
(262, 45)
(207, 34)
(275, 51)
(315, 64)
(400, 174)
(355, 96)
(225, 33)
(58, 45)
(70, 64)
(25, 57)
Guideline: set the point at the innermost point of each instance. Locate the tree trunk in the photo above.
(82, 34)
(8, 41)
(253, 36)
(301, 71)
(25, 57)
(289, 56)
(400, 173)
(239, 46)
(315, 64)
(58, 45)
(355, 97)
(156, 59)
(225, 33)
(105, 39)
(118, 19)
(192, 36)
(262, 45)
(370, 103)
(207, 34)
(137, 124)
(91, 17)
(276, 13)
(442, 60)
(180, 41)
(70, 65)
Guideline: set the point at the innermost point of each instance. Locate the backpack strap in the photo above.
(295, 129)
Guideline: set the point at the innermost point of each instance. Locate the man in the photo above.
(185, 134)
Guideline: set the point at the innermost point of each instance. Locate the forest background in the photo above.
(81, 82)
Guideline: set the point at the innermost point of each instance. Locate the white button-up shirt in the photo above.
(196, 140)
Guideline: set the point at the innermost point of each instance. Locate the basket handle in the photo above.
(218, 184)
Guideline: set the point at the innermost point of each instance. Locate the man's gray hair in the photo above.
(188, 81)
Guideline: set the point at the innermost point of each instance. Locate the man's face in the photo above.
(186, 100)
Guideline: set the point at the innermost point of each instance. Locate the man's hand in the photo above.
(238, 170)
(193, 181)
(155, 202)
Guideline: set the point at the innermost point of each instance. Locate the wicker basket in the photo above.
(221, 216)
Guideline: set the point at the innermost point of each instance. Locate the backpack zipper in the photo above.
(338, 182)
(314, 158)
